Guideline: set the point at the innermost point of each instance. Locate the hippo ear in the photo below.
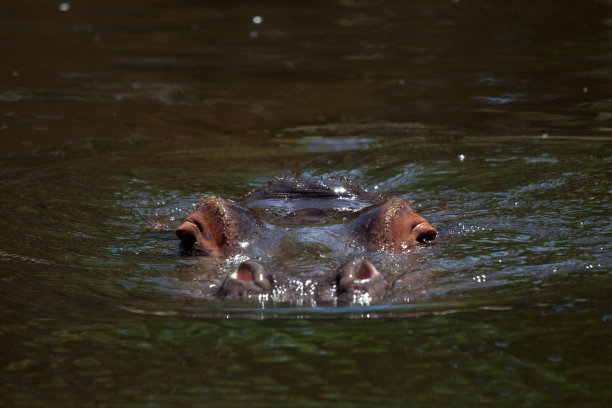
(216, 226)
(194, 237)
(393, 225)
(405, 227)
(424, 233)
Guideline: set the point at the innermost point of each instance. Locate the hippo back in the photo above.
(308, 201)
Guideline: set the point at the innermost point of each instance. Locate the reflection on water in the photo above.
(92, 295)
(320, 144)
(492, 119)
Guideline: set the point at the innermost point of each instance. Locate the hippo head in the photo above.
(219, 227)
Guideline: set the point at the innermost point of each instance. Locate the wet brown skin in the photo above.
(217, 226)
(392, 225)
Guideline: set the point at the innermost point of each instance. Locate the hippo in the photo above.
(341, 214)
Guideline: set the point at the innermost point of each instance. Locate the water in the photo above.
(493, 119)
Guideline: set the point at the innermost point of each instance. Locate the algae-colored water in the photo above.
(493, 119)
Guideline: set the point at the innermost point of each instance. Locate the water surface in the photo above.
(492, 119)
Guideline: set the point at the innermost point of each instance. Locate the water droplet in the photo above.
(461, 157)
(257, 20)
(64, 7)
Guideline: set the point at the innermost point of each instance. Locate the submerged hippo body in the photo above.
(340, 214)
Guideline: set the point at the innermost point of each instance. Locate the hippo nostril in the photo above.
(356, 270)
(243, 274)
(252, 271)
(366, 270)
(357, 278)
(427, 237)
(250, 278)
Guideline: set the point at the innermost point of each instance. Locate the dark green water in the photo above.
(493, 118)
